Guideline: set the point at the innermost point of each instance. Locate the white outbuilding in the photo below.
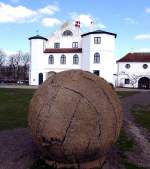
(67, 49)
(133, 70)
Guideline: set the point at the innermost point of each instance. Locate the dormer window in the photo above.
(57, 45)
(67, 33)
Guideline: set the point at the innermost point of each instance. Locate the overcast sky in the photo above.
(129, 19)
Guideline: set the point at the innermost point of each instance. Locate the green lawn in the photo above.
(142, 115)
(14, 107)
(123, 94)
(126, 144)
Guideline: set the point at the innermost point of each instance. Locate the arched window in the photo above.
(67, 33)
(96, 57)
(51, 59)
(75, 59)
(63, 59)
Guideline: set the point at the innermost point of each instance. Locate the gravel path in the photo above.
(17, 150)
(141, 153)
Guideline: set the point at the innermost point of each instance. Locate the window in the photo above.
(75, 59)
(56, 45)
(145, 66)
(127, 66)
(67, 33)
(63, 59)
(96, 72)
(96, 57)
(51, 59)
(74, 44)
(127, 81)
(97, 40)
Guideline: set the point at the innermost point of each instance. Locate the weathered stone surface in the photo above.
(75, 117)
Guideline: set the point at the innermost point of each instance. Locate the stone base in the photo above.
(96, 164)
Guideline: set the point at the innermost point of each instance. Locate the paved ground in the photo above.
(18, 86)
(17, 150)
(36, 87)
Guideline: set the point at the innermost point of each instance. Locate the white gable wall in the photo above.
(134, 73)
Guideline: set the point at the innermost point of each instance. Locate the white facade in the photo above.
(135, 73)
(94, 52)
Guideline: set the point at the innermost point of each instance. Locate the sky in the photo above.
(129, 19)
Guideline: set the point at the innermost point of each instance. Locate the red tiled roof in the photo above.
(135, 57)
(63, 50)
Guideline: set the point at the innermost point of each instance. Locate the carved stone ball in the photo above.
(75, 117)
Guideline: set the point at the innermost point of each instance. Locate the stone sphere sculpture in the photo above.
(75, 117)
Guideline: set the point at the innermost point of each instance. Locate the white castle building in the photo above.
(133, 70)
(68, 49)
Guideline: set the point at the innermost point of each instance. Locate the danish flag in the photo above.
(77, 24)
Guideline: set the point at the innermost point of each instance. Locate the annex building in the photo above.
(68, 48)
(133, 71)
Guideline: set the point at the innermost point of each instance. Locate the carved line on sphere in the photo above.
(70, 122)
(89, 103)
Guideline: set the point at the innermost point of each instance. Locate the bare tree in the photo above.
(132, 77)
(2, 57)
(15, 62)
(25, 60)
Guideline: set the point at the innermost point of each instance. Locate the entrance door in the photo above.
(40, 78)
(144, 83)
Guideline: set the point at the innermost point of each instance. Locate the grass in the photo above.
(123, 94)
(14, 107)
(124, 143)
(142, 115)
(131, 166)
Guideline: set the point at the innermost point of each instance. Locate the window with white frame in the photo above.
(51, 59)
(96, 57)
(63, 59)
(97, 40)
(74, 44)
(56, 45)
(75, 59)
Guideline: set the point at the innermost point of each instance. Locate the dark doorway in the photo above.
(96, 72)
(40, 78)
(144, 83)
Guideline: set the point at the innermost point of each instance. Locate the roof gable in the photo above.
(135, 57)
